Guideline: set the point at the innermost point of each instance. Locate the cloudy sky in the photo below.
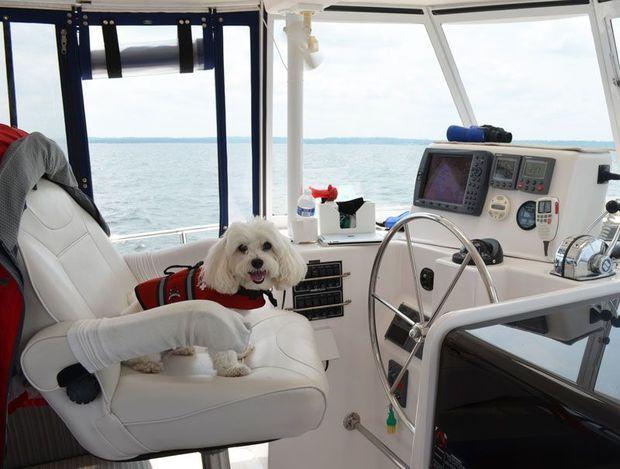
(538, 79)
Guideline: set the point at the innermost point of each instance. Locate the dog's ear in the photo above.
(215, 273)
(292, 265)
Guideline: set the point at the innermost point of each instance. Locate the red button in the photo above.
(539, 187)
(548, 221)
(520, 185)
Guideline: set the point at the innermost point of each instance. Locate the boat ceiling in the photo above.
(202, 5)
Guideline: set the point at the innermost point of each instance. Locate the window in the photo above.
(4, 94)
(538, 79)
(153, 144)
(37, 80)
(550, 354)
(238, 121)
(370, 109)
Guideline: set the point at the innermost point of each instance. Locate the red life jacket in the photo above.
(184, 285)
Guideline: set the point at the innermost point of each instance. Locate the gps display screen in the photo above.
(447, 178)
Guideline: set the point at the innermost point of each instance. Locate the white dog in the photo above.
(253, 256)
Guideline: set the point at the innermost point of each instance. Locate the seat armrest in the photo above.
(45, 355)
(151, 264)
(99, 343)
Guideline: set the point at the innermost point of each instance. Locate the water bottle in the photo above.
(305, 205)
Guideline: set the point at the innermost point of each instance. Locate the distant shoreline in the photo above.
(336, 141)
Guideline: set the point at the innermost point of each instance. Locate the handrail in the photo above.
(183, 232)
(353, 422)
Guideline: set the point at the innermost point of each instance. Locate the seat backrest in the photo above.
(73, 267)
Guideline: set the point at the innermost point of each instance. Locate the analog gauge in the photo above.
(526, 215)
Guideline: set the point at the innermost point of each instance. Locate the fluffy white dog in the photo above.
(251, 256)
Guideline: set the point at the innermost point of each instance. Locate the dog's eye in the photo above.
(266, 246)
(243, 248)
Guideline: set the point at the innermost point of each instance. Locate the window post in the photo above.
(73, 101)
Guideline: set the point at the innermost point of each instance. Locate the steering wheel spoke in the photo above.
(395, 310)
(414, 272)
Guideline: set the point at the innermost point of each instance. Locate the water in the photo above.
(145, 186)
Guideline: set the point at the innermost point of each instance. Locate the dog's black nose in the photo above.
(257, 263)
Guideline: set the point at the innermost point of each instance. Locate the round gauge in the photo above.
(526, 215)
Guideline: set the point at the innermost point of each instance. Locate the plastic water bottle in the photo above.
(305, 205)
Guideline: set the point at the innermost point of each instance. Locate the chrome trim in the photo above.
(312, 279)
(182, 232)
(312, 308)
(395, 310)
(414, 272)
(482, 271)
(353, 422)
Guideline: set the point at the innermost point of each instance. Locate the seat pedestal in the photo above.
(218, 460)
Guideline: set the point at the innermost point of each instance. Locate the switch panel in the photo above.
(401, 390)
(319, 295)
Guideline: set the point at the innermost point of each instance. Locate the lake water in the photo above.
(154, 186)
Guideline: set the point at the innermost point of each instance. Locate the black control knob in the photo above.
(612, 206)
(597, 314)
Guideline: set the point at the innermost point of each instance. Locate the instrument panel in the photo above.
(458, 180)
(492, 191)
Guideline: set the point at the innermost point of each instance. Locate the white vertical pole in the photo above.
(449, 68)
(294, 131)
(268, 100)
(607, 57)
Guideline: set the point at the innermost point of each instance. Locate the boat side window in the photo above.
(370, 109)
(153, 144)
(558, 344)
(37, 80)
(557, 357)
(538, 79)
(238, 121)
(4, 92)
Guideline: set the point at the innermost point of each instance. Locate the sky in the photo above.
(539, 80)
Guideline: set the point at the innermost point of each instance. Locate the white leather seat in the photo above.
(75, 273)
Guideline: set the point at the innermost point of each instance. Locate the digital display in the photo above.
(447, 178)
(505, 169)
(534, 169)
(544, 206)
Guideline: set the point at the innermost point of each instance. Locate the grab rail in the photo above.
(183, 232)
(353, 422)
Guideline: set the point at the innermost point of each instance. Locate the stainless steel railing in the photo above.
(182, 232)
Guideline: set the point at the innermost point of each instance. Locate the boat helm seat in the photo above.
(73, 273)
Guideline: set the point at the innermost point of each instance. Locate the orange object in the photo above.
(327, 195)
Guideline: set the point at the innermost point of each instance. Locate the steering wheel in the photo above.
(419, 330)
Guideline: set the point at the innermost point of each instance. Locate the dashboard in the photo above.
(503, 192)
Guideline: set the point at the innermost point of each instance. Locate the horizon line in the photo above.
(276, 139)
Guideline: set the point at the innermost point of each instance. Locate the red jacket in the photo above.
(184, 285)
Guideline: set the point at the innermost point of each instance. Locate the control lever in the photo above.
(587, 257)
(605, 175)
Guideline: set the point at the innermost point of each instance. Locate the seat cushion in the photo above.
(188, 406)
